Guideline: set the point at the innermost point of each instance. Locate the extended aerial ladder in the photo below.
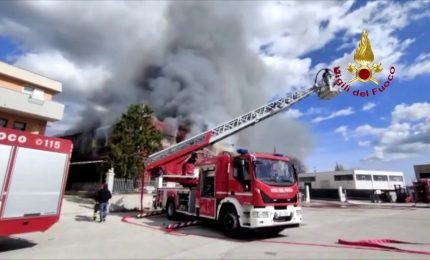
(325, 88)
(166, 164)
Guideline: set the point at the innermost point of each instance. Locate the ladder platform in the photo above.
(185, 180)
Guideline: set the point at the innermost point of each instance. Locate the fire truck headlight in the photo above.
(260, 214)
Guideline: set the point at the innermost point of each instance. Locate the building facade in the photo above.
(26, 100)
(422, 171)
(353, 180)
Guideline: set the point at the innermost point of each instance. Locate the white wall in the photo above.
(325, 180)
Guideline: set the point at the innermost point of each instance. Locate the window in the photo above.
(424, 175)
(208, 183)
(396, 178)
(28, 90)
(19, 125)
(347, 177)
(306, 179)
(274, 172)
(3, 122)
(364, 177)
(380, 177)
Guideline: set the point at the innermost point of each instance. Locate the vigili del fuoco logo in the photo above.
(364, 72)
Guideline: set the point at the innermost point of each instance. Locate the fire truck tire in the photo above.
(230, 223)
(171, 209)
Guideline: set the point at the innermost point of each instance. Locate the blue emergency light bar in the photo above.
(242, 151)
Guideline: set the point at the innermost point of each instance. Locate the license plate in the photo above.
(283, 214)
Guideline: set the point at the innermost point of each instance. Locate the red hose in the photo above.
(379, 243)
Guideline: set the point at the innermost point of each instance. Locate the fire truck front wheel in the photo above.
(171, 209)
(230, 223)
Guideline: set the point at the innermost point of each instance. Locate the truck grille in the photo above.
(283, 219)
(267, 199)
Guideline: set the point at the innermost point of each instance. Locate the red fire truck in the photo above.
(240, 190)
(33, 174)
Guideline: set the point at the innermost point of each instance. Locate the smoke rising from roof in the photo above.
(190, 61)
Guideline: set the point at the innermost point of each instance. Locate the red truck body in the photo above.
(255, 201)
(33, 174)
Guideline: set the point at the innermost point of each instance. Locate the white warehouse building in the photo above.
(353, 180)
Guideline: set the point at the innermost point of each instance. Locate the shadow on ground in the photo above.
(80, 200)
(14, 243)
(84, 218)
(206, 228)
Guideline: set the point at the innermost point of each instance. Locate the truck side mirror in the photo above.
(295, 172)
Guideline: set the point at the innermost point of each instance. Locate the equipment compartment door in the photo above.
(207, 203)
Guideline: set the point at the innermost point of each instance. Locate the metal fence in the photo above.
(123, 185)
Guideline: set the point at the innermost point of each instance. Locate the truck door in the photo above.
(207, 192)
(240, 182)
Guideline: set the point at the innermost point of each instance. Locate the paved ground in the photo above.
(76, 236)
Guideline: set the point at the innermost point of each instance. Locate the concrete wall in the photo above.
(326, 180)
(35, 126)
(129, 202)
(18, 85)
(23, 104)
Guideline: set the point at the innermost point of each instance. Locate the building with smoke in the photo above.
(90, 149)
(26, 100)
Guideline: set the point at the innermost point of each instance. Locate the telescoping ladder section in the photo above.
(229, 128)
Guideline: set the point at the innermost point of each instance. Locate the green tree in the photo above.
(133, 138)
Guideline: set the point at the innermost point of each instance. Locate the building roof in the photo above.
(30, 77)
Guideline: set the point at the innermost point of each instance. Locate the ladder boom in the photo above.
(325, 88)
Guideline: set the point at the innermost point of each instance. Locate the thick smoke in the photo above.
(190, 61)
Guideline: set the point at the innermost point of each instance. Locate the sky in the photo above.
(222, 59)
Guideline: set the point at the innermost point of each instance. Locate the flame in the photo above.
(364, 54)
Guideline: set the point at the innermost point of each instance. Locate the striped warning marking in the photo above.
(149, 213)
(172, 227)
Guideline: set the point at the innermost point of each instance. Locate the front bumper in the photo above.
(271, 217)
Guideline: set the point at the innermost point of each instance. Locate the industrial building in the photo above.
(26, 100)
(357, 183)
(422, 171)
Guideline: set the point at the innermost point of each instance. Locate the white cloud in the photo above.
(416, 69)
(421, 15)
(343, 112)
(416, 111)
(363, 143)
(81, 79)
(293, 113)
(365, 130)
(407, 136)
(343, 130)
(368, 106)
(422, 57)
(314, 111)
(287, 74)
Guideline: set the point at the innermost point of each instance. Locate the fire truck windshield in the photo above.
(274, 172)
